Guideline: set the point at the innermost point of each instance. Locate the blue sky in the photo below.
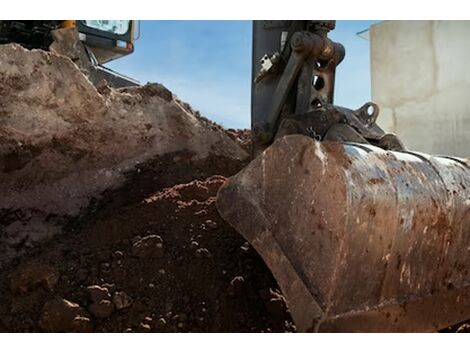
(207, 64)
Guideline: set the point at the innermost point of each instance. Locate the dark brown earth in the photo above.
(150, 256)
(107, 216)
(147, 258)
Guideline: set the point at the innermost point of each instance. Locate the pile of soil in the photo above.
(107, 216)
(147, 259)
(63, 145)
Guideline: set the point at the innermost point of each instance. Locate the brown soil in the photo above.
(160, 259)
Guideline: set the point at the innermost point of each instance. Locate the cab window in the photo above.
(115, 27)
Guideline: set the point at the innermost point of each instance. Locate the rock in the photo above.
(118, 255)
(161, 323)
(98, 293)
(102, 87)
(30, 276)
(237, 282)
(236, 285)
(111, 287)
(144, 327)
(102, 309)
(121, 300)
(105, 267)
(464, 328)
(211, 224)
(203, 252)
(78, 141)
(148, 247)
(276, 306)
(60, 315)
(245, 247)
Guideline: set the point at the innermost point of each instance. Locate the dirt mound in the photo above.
(167, 263)
(107, 216)
(63, 142)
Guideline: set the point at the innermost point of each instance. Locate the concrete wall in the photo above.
(421, 80)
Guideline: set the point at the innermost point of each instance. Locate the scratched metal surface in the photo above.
(358, 238)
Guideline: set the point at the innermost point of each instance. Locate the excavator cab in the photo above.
(88, 43)
(107, 39)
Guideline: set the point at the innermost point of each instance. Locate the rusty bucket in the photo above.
(358, 238)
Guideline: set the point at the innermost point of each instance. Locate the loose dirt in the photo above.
(107, 216)
(147, 258)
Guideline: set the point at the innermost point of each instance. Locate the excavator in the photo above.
(361, 234)
(89, 43)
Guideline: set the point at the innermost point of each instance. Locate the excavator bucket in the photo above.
(359, 239)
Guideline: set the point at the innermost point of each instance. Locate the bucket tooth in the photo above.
(358, 238)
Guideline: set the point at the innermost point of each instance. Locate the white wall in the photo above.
(421, 80)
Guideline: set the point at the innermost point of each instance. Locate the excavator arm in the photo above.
(294, 65)
(360, 234)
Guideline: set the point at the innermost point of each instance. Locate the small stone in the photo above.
(105, 267)
(276, 306)
(464, 328)
(211, 224)
(245, 247)
(98, 293)
(194, 245)
(27, 277)
(148, 247)
(237, 282)
(203, 252)
(82, 324)
(102, 309)
(121, 300)
(202, 212)
(162, 271)
(151, 285)
(236, 285)
(60, 315)
(180, 325)
(102, 87)
(111, 287)
(161, 323)
(118, 255)
(144, 327)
